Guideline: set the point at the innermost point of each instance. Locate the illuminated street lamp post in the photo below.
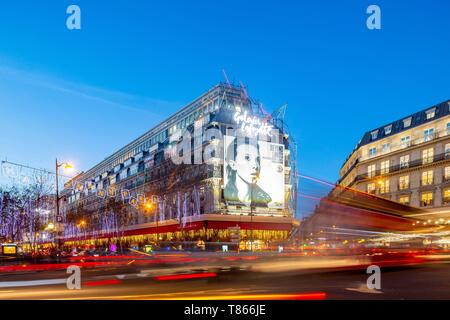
(58, 217)
(254, 180)
(148, 207)
(83, 227)
(50, 228)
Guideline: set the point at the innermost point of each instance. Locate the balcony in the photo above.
(401, 146)
(426, 182)
(427, 160)
(426, 203)
(446, 201)
(404, 200)
(403, 186)
(403, 166)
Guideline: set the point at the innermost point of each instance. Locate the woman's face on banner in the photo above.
(247, 162)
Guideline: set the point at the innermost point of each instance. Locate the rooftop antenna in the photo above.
(280, 112)
(245, 91)
(267, 116)
(226, 78)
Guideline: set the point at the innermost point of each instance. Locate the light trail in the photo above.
(186, 276)
(295, 296)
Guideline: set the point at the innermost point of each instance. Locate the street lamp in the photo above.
(82, 226)
(68, 167)
(148, 206)
(254, 181)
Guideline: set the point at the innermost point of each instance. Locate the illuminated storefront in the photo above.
(217, 170)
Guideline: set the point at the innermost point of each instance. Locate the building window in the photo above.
(427, 155)
(405, 142)
(446, 198)
(403, 182)
(374, 134)
(385, 148)
(384, 186)
(447, 150)
(404, 200)
(371, 188)
(447, 173)
(388, 129)
(384, 168)
(427, 199)
(406, 122)
(371, 171)
(428, 134)
(404, 161)
(372, 152)
(430, 113)
(427, 178)
(448, 128)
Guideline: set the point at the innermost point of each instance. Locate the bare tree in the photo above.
(24, 211)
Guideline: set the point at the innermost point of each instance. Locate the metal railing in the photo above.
(426, 182)
(428, 203)
(403, 186)
(399, 167)
(410, 143)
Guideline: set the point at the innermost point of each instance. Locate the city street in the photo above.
(241, 279)
(224, 151)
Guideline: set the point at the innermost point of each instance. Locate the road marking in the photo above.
(363, 289)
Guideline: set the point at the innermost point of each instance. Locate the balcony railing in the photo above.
(427, 203)
(427, 160)
(403, 186)
(426, 182)
(403, 166)
(407, 144)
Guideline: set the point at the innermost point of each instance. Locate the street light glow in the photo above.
(68, 167)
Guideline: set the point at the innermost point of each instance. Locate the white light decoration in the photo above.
(252, 125)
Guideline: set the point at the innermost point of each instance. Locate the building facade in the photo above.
(180, 181)
(407, 161)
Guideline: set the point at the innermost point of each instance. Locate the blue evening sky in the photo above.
(81, 95)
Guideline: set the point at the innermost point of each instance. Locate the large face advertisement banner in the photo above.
(253, 172)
